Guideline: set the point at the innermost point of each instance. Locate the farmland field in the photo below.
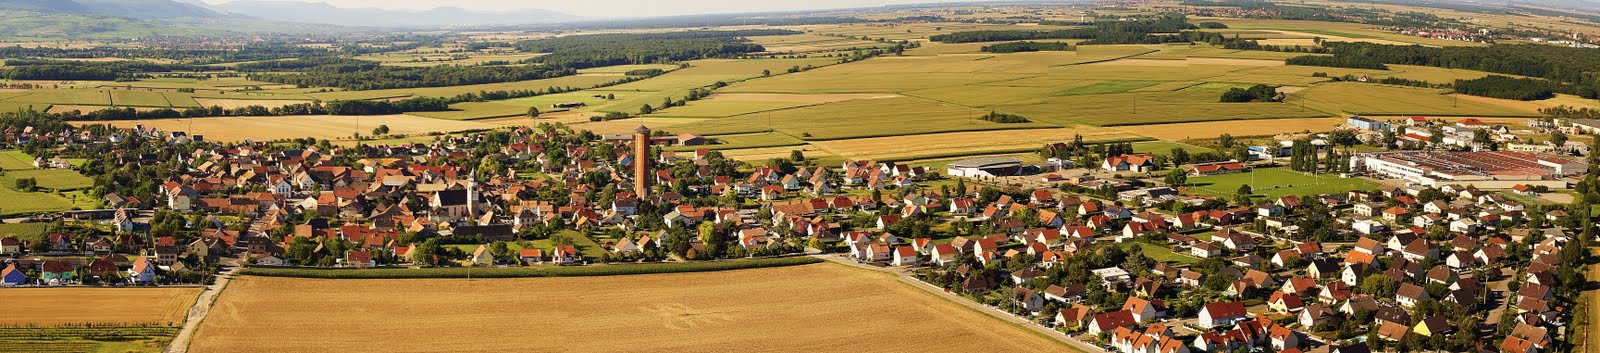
(741, 310)
(15, 160)
(476, 110)
(755, 140)
(1371, 99)
(891, 117)
(1211, 129)
(898, 148)
(74, 306)
(1274, 182)
(267, 128)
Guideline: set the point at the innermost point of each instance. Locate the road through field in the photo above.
(1077, 346)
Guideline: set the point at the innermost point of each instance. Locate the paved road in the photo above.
(996, 313)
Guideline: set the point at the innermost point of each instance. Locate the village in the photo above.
(1124, 256)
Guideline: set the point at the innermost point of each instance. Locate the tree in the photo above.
(765, 73)
(1379, 286)
(533, 112)
(646, 109)
(381, 130)
(1225, 141)
(797, 156)
(1177, 177)
(1558, 138)
(1180, 156)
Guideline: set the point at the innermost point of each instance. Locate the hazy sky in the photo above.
(621, 8)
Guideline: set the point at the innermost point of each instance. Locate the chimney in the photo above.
(641, 161)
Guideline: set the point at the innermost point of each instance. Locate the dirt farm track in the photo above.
(810, 308)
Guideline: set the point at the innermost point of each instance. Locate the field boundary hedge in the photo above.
(521, 272)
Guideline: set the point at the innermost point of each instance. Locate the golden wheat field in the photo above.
(811, 308)
(126, 306)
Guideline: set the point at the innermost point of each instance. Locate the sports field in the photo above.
(75, 306)
(820, 307)
(1275, 182)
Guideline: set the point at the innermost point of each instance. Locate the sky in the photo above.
(620, 8)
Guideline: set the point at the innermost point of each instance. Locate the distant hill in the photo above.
(294, 11)
(147, 9)
(45, 6)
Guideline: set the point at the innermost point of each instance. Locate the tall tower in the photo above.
(641, 161)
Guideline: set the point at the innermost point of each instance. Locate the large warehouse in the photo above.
(1489, 169)
(985, 167)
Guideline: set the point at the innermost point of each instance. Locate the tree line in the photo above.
(1525, 89)
(596, 50)
(1257, 93)
(353, 74)
(1561, 64)
(1354, 62)
(1104, 31)
(1004, 118)
(1018, 47)
(68, 70)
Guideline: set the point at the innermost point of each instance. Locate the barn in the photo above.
(985, 167)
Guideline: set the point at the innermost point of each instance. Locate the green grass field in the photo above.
(1275, 182)
(1107, 87)
(737, 141)
(25, 231)
(57, 179)
(15, 160)
(888, 117)
(1161, 253)
(1165, 147)
(81, 339)
(476, 110)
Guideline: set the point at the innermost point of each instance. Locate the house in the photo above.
(1317, 314)
(483, 257)
(1205, 250)
(1144, 311)
(905, 255)
(10, 246)
(1216, 168)
(565, 254)
(57, 272)
(360, 259)
(1077, 315)
(143, 271)
(942, 254)
(1107, 322)
(1221, 314)
(1433, 325)
(531, 256)
(1409, 294)
(12, 276)
(1138, 163)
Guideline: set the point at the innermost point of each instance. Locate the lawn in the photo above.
(1275, 182)
(1161, 253)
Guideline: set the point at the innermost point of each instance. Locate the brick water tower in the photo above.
(641, 161)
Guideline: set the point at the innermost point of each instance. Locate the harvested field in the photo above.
(772, 309)
(63, 108)
(123, 306)
(239, 103)
(1535, 106)
(267, 128)
(1211, 129)
(1136, 61)
(1371, 99)
(962, 143)
(796, 98)
(627, 125)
